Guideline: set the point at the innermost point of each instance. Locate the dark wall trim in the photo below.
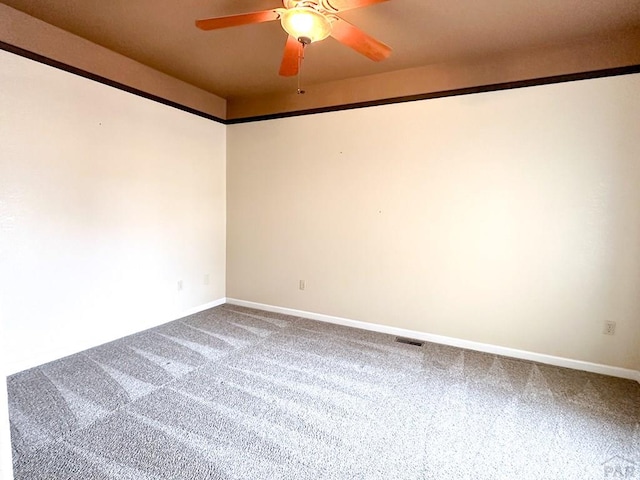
(570, 77)
(97, 78)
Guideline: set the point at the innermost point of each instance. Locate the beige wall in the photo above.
(106, 201)
(510, 218)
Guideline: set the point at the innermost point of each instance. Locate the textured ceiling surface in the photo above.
(244, 60)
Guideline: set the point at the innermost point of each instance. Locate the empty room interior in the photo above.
(407, 246)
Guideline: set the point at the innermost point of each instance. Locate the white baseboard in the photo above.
(454, 342)
(199, 308)
(59, 351)
(6, 465)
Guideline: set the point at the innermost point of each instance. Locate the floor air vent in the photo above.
(409, 341)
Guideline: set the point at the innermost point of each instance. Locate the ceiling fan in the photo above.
(308, 21)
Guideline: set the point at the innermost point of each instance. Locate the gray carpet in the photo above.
(234, 393)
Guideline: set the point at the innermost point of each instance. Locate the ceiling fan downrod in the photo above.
(303, 43)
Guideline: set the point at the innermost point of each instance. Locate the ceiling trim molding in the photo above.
(100, 79)
(569, 77)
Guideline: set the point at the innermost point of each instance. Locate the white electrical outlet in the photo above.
(609, 328)
(179, 285)
(205, 279)
(303, 284)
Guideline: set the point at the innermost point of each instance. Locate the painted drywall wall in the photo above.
(509, 218)
(107, 200)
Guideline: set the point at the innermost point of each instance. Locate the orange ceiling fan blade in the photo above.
(290, 58)
(343, 5)
(236, 20)
(362, 43)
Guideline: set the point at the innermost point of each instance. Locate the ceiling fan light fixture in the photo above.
(305, 24)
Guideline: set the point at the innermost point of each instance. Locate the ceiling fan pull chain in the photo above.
(300, 91)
